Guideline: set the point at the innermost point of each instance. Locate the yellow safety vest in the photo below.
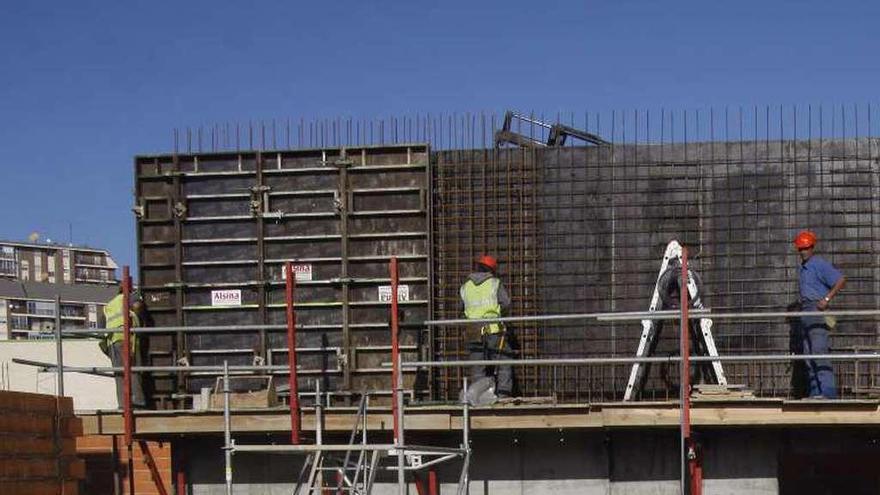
(481, 301)
(113, 318)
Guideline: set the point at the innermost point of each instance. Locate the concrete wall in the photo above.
(88, 392)
(558, 463)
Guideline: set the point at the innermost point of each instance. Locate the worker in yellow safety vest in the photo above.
(112, 344)
(484, 296)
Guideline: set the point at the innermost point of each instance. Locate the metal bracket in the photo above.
(341, 359)
(179, 209)
(138, 211)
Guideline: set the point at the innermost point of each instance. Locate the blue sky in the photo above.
(87, 85)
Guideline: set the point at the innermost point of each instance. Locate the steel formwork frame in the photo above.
(724, 169)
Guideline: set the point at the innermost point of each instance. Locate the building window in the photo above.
(41, 308)
(25, 270)
(38, 267)
(72, 311)
(17, 322)
(8, 267)
(8, 263)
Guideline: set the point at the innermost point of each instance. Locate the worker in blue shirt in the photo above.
(820, 281)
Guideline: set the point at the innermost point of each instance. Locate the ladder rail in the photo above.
(649, 327)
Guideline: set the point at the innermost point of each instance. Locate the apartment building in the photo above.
(33, 275)
(55, 263)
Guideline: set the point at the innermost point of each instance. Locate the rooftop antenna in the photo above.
(70, 233)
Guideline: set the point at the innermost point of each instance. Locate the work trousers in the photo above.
(493, 347)
(815, 340)
(137, 390)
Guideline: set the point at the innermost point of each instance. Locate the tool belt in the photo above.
(474, 332)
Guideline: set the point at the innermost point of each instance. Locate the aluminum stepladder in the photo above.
(355, 476)
(650, 328)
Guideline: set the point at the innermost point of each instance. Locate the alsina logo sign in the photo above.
(226, 297)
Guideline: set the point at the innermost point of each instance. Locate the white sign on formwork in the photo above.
(301, 272)
(226, 297)
(385, 293)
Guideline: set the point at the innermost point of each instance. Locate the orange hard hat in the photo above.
(805, 239)
(488, 262)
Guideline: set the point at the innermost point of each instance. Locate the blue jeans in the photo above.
(815, 340)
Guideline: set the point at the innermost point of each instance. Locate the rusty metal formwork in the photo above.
(214, 230)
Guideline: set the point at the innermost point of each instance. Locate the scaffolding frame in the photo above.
(690, 459)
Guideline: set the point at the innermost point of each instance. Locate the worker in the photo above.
(112, 345)
(484, 296)
(820, 282)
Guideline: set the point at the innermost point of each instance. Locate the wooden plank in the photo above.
(708, 413)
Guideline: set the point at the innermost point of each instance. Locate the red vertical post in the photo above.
(696, 469)
(395, 349)
(128, 419)
(689, 480)
(295, 419)
(433, 484)
(421, 488)
(178, 453)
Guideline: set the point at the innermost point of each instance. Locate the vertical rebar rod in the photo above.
(295, 419)
(59, 349)
(227, 429)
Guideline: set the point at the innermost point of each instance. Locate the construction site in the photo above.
(349, 241)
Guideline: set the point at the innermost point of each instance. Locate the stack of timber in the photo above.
(38, 445)
(721, 392)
